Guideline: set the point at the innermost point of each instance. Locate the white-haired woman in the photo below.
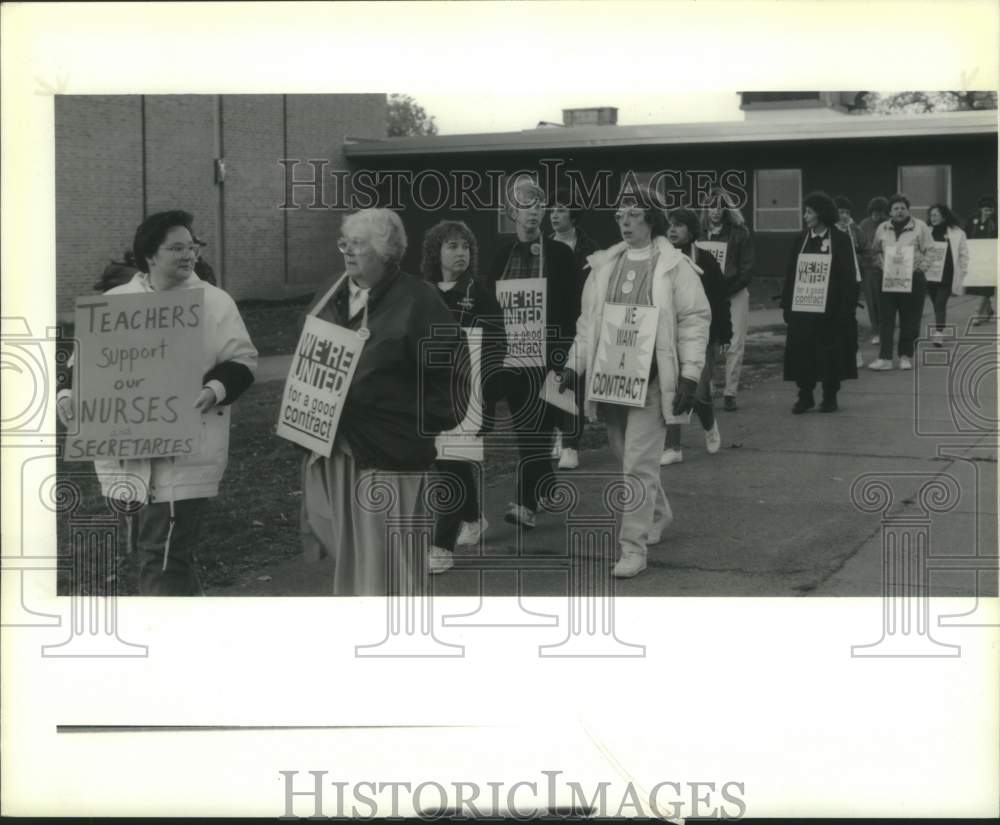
(410, 383)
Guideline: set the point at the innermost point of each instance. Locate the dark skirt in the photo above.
(820, 349)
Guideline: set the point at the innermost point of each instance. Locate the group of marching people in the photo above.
(688, 273)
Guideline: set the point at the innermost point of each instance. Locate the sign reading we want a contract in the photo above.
(137, 374)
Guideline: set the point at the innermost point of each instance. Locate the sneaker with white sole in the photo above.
(671, 456)
(713, 439)
(880, 364)
(569, 459)
(519, 515)
(905, 363)
(472, 531)
(557, 445)
(629, 565)
(937, 337)
(876, 339)
(439, 560)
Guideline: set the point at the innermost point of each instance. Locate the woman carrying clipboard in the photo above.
(818, 301)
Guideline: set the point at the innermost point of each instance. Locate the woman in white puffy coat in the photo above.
(644, 270)
(174, 490)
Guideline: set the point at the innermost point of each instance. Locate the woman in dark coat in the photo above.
(820, 346)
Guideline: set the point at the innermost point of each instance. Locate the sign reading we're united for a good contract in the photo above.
(464, 443)
(812, 282)
(523, 303)
(317, 384)
(897, 268)
(624, 355)
(138, 371)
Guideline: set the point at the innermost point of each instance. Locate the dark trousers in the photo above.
(910, 306)
(462, 501)
(572, 425)
(533, 421)
(830, 389)
(152, 525)
(939, 295)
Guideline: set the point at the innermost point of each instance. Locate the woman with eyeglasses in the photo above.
(410, 384)
(168, 525)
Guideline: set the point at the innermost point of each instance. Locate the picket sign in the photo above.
(524, 304)
(624, 355)
(717, 249)
(463, 443)
(897, 270)
(935, 258)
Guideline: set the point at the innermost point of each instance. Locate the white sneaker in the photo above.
(629, 565)
(905, 363)
(520, 515)
(859, 362)
(937, 337)
(557, 445)
(439, 560)
(472, 531)
(880, 364)
(876, 339)
(569, 460)
(713, 440)
(671, 456)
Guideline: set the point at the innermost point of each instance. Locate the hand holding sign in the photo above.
(206, 400)
(567, 380)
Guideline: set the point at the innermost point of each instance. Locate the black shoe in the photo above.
(729, 403)
(829, 405)
(802, 405)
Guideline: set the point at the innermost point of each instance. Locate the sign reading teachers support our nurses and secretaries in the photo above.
(320, 376)
(718, 250)
(897, 269)
(812, 282)
(624, 355)
(934, 262)
(523, 304)
(137, 373)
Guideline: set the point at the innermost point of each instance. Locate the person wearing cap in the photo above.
(682, 234)
(530, 255)
(845, 223)
(644, 270)
(820, 346)
(177, 489)
(900, 231)
(410, 384)
(564, 217)
(723, 222)
(871, 275)
(983, 225)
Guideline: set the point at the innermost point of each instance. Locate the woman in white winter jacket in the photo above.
(644, 270)
(175, 490)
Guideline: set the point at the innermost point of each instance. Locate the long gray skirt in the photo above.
(373, 523)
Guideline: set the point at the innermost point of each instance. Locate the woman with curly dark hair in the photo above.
(949, 278)
(450, 260)
(819, 301)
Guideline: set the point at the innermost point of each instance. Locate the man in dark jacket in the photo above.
(564, 216)
(532, 256)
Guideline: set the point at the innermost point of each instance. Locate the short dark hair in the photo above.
(878, 204)
(689, 219)
(822, 204)
(899, 197)
(843, 202)
(437, 235)
(950, 218)
(654, 216)
(565, 198)
(152, 231)
(987, 200)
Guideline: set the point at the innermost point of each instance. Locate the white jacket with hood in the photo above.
(684, 319)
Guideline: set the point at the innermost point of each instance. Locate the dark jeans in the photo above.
(910, 306)
(533, 422)
(180, 578)
(939, 295)
(703, 406)
(830, 389)
(572, 425)
(460, 476)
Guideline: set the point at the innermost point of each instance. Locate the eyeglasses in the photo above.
(620, 215)
(181, 248)
(343, 244)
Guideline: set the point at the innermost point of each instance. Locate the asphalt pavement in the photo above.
(790, 506)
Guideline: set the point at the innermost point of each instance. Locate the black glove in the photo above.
(567, 380)
(684, 398)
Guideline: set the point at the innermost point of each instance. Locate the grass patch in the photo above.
(275, 326)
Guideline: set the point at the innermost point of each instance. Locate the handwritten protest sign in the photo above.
(624, 355)
(463, 443)
(137, 374)
(982, 262)
(897, 272)
(934, 258)
(812, 282)
(523, 303)
(718, 250)
(320, 376)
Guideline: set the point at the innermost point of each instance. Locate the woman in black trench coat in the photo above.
(821, 346)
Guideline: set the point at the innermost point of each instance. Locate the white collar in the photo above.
(823, 234)
(643, 254)
(356, 290)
